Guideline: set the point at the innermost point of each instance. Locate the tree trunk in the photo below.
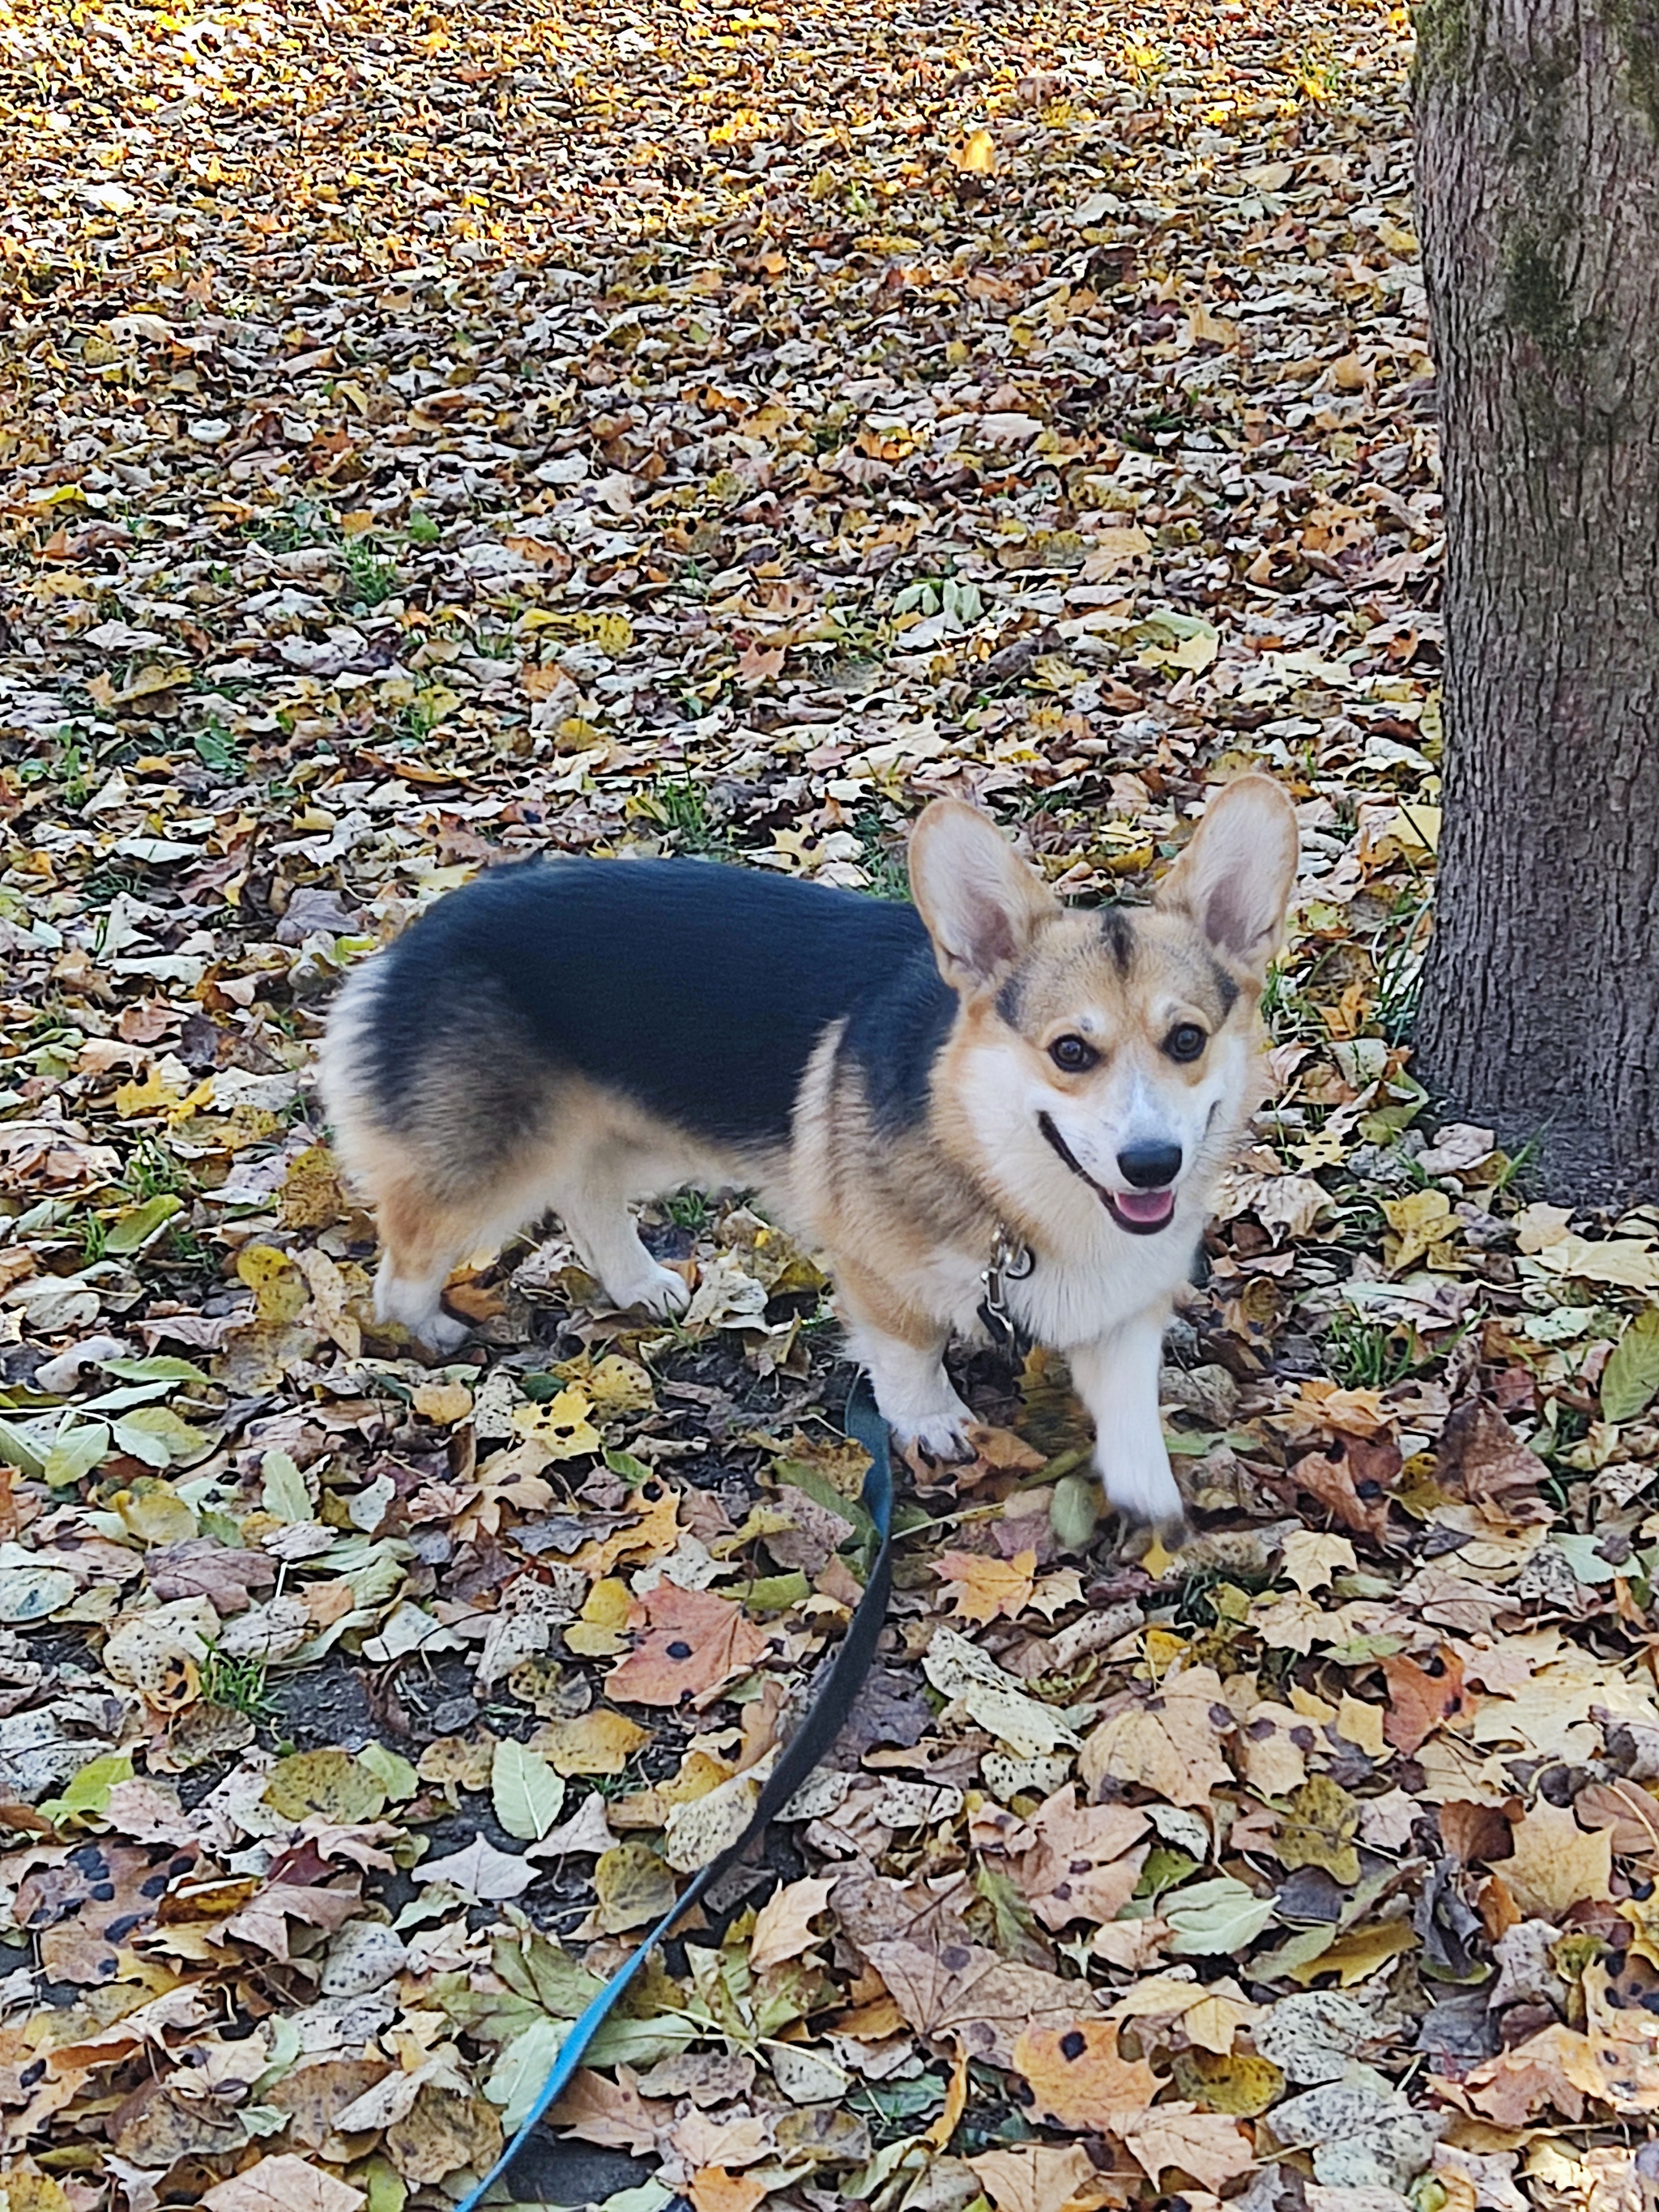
(1538, 187)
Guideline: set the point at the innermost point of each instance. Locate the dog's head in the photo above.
(1115, 1046)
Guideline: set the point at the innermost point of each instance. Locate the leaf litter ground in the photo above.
(431, 440)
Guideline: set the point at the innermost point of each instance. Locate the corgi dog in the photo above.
(983, 1111)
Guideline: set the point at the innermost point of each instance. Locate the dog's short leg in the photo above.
(905, 1356)
(421, 1241)
(1116, 1378)
(594, 1210)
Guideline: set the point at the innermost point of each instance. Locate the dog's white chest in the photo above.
(1070, 1302)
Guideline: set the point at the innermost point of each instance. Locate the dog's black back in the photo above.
(696, 989)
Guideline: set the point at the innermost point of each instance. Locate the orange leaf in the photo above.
(987, 1587)
(714, 2189)
(1077, 2078)
(695, 1643)
(1420, 1698)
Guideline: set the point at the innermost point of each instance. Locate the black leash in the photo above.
(818, 1729)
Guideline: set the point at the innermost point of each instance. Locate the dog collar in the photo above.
(1012, 1262)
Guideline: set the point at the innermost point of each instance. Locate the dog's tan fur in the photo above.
(907, 1222)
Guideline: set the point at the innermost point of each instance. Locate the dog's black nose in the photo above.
(1150, 1166)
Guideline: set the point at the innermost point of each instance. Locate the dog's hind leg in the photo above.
(590, 1198)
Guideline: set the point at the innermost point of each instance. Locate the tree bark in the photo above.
(1538, 188)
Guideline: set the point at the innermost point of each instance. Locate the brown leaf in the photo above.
(1479, 1835)
(1547, 2069)
(164, 2121)
(96, 1903)
(612, 2113)
(1082, 1863)
(445, 2128)
(1209, 2146)
(1481, 1457)
(311, 2095)
(1351, 1480)
(1626, 1810)
(1557, 1864)
(1167, 1739)
(1033, 2177)
(960, 1992)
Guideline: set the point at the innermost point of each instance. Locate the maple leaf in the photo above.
(1211, 2147)
(1033, 2177)
(1421, 1697)
(283, 2184)
(697, 1644)
(783, 1926)
(1556, 1864)
(987, 1587)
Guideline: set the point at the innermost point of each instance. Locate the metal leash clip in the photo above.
(1012, 1262)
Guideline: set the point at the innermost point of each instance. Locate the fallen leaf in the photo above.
(1556, 1864)
(1168, 1739)
(988, 1588)
(1033, 2177)
(783, 1926)
(1078, 2079)
(697, 1643)
(479, 1871)
(283, 2184)
(1421, 1699)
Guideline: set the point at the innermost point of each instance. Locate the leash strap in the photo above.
(818, 1729)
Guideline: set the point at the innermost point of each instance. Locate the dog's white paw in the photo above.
(660, 1291)
(414, 1305)
(1144, 1492)
(941, 1435)
(441, 1333)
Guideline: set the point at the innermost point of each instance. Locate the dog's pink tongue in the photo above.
(1147, 1205)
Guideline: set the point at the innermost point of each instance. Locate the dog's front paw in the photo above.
(661, 1292)
(945, 1438)
(1145, 1492)
(440, 1333)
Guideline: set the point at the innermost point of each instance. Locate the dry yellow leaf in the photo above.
(599, 1633)
(599, 1742)
(1168, 1740)
(977, 155)
(1359, 1723)
(445, 1403)
(1557, 1864)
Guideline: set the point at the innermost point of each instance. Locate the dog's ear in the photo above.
(980, 901)
(1234, 879)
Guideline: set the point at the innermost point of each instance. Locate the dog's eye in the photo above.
(1185, 1041)
(1071, 1053)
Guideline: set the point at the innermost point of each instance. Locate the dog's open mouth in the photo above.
(1139, 1211)
(1142, 1212)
